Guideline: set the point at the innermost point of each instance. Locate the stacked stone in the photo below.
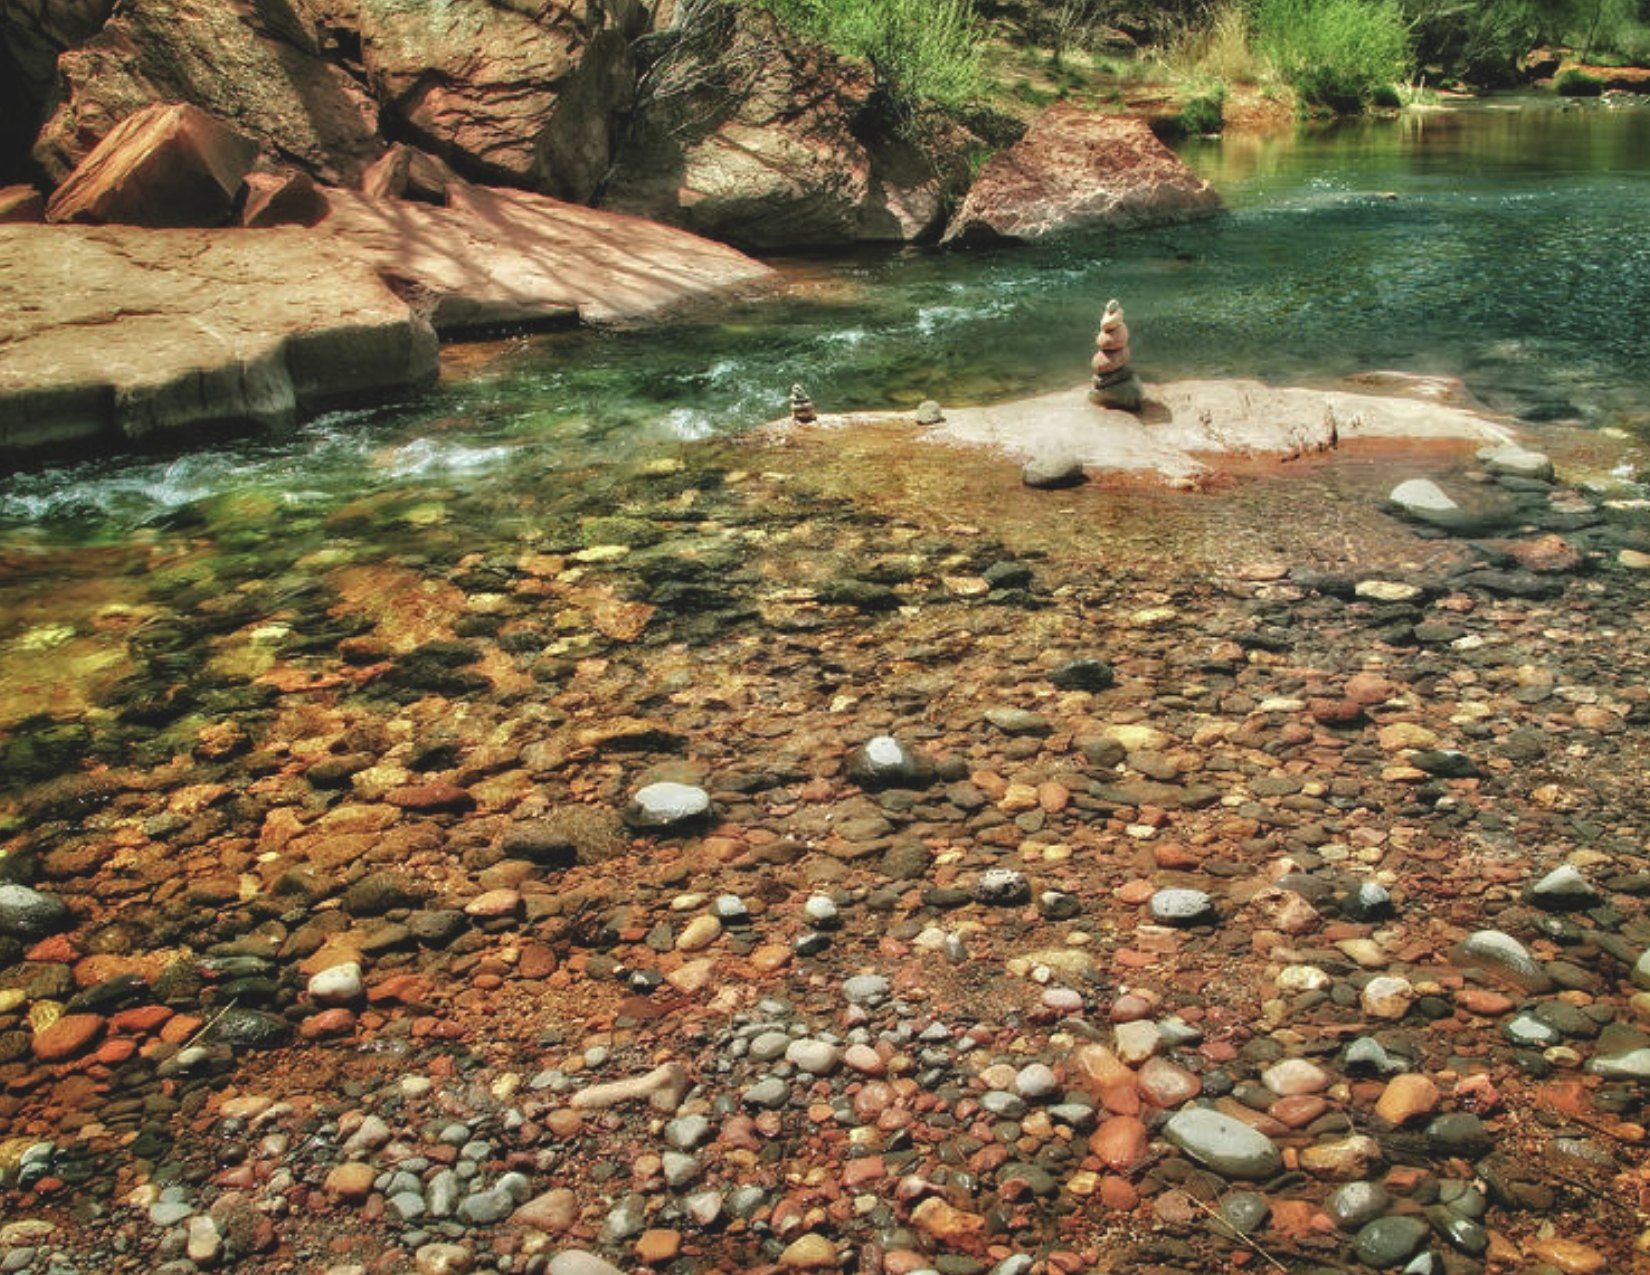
(802, 407)
(1115, 384)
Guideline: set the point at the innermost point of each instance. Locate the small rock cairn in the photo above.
(802, 407)
(1115, 384)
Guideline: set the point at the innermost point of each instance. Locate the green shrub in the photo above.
(1387, 96)
(919, 50)
(1574, 83)
(1202, 113)
(1334, 52)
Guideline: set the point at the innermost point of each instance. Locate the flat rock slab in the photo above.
(1185, 422)
(499, 257)
(111, 334)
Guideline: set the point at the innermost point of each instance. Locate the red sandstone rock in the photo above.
(1075, 170)
(70, 1035)
(287, 198)
(406, 173)
(168, 165)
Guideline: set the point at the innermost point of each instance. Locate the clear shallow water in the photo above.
(1510, 247)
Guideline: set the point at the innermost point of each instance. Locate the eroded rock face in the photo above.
(1075, 170)
(196, 330)
(779, 143)
(265, 78)
(168, 165)
(521, 93)
(32, 34)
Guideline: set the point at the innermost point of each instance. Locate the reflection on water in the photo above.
(1511, 247)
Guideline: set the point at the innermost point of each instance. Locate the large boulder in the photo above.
(259, 67)
(525, 92)
(746, 133)
(492, 258)
(1075, 170)
(116, 333)
(168, 165)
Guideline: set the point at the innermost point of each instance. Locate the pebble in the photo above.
(27, 914)
(337, 985)
(1178, 906)
(662, 807)
(1390, 1241)
(1048, 471)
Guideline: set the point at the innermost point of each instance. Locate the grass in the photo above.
(919, 50)
(1334, 53)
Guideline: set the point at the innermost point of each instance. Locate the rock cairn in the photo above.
(802, 407)
(1115, 384)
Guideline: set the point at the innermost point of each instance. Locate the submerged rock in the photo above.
(1225, 1145)
(27, 914)
(665, 806)
(884, 762)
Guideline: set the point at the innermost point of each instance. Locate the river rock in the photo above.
(1564, 889)
(168, 165)
(576, 1261)
(1051, 471)
(1390, 1241)
(27, 914)
(1423, 501)
(1179, 906)
(1228, 1146)
(1504, 958)
(884, 762)
(1078, 170)
(665, 806)
(1517, 462)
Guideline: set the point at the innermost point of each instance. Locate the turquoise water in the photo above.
(1507, 246)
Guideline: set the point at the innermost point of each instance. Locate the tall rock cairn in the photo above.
(802, 407)
(1115, 384)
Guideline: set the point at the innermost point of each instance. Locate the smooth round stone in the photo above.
(1369, 902)
(1356, 1204)
(1386, 591)
(28, 914)
(1529, 1031)
(768, 1045)
(1036, 1081)
(1179, 906)
(1421, 496)
(1227, 1146)
(1050, 471)
(816, 1057)
(771, 1093)
(1295, 1076)
(1633, 1064)
(1564, 889)
(730, 909)
(699, 934)
(337, 985)
(1002, 887)
(1066, 1000)
(1387, 996)
(884, 762)
(1501, 954)
(811, 1252)
(1390, 1241)
(661, 806)
(929, 412)
(1083, 675)
(687, 1132)
(1517, 462)
(1459, 1133)
(576, 1261)
(1245, 1211)
(822, 912)
(865, 989)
